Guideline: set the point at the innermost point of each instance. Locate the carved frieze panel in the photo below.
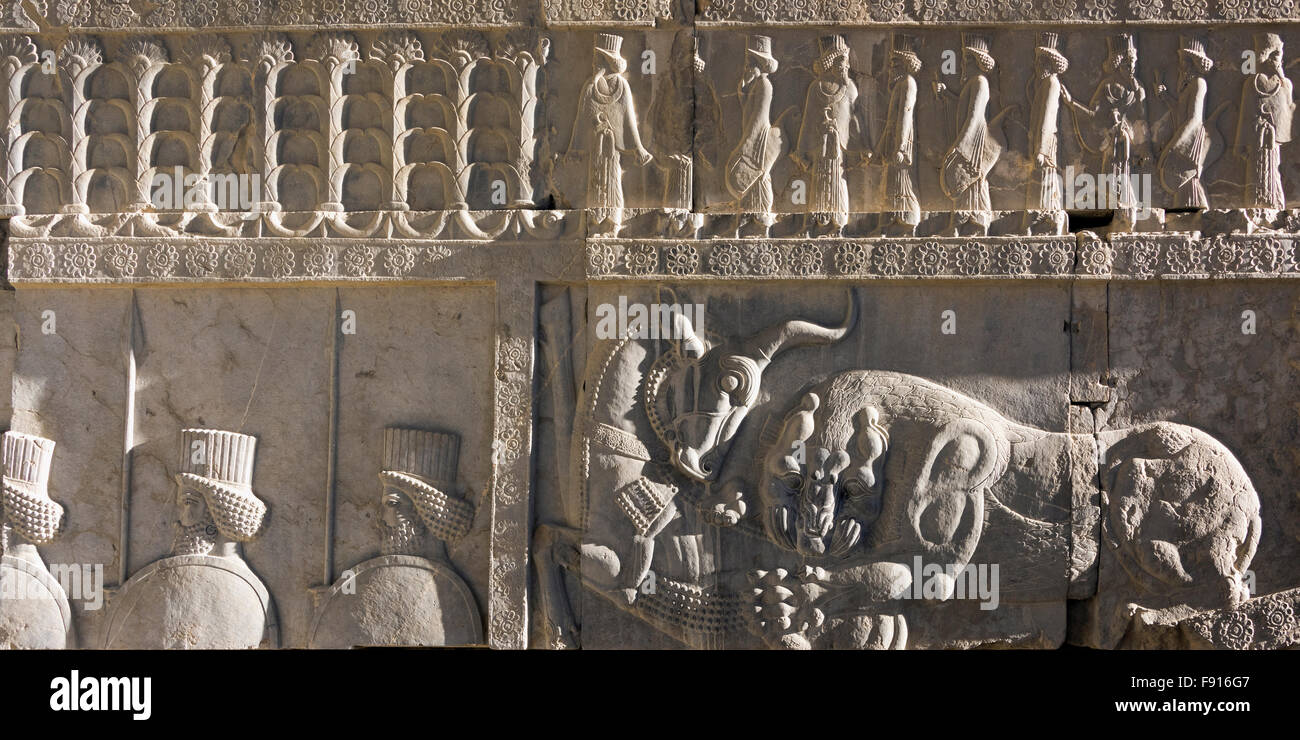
(189, 534)
(736, 478)
(789, 132)
(883, 324)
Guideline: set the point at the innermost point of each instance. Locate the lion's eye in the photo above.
(729, 382)
(793, 481)
(855, 488)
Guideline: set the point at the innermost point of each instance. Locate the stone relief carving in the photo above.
(34, 611)
(897, 148)
(203, 595)
(749, 167)
(376, 148)
(1118, 112)
(410, 594)
(604, 130)
(823, 140)
(1183, 516)
(1264, 125)
(1044, 207)
(690, 400)
(436, 135)
(685, 120)
(977, 143)
(869, 503)
(1183, 160)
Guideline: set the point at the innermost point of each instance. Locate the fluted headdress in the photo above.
(422, 465)
(220, 466)
(26, 502)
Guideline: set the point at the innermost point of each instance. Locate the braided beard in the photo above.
(195, 539)
(407, 538)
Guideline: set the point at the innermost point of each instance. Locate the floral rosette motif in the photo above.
(241, 260)
(38, 260)
(400, 260)
(1185, 259)
(851, 258)
(202, 260)
(1235, 630)
(319, 261)
(1014, 259)
(726, 260)
(1143, 258)
(805, 259)
(1221, 255)
(1057, 258)
(279, 260)
(681, 259)
(889, 259)
(765, 259)
(641, 259)
(161, 260)
(120, 260)
(1279, 622)
(601, 259)
(972, 259)
(1263, 256)
(1095, 258)
(359, 260)
(78, 260)
(931, 258)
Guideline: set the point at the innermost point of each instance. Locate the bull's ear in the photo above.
(683, 336)
(683, 330)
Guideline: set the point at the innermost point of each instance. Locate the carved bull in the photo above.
(654, 419)
(872, 470)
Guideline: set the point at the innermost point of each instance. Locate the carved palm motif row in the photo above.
(405, 122)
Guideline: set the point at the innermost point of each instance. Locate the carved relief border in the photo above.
(188, 14)
(992, 11)
(172, 260)
(511, 484)
(1138, 256)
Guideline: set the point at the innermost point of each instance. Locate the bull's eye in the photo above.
(854, 488)
(793, 481)
(729, 382)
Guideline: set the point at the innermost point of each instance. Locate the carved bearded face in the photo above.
(196, 531)
(401, 531)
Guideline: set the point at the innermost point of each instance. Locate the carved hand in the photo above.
(726, 507)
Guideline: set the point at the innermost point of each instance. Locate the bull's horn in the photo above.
(688, 342)
(771, 341)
